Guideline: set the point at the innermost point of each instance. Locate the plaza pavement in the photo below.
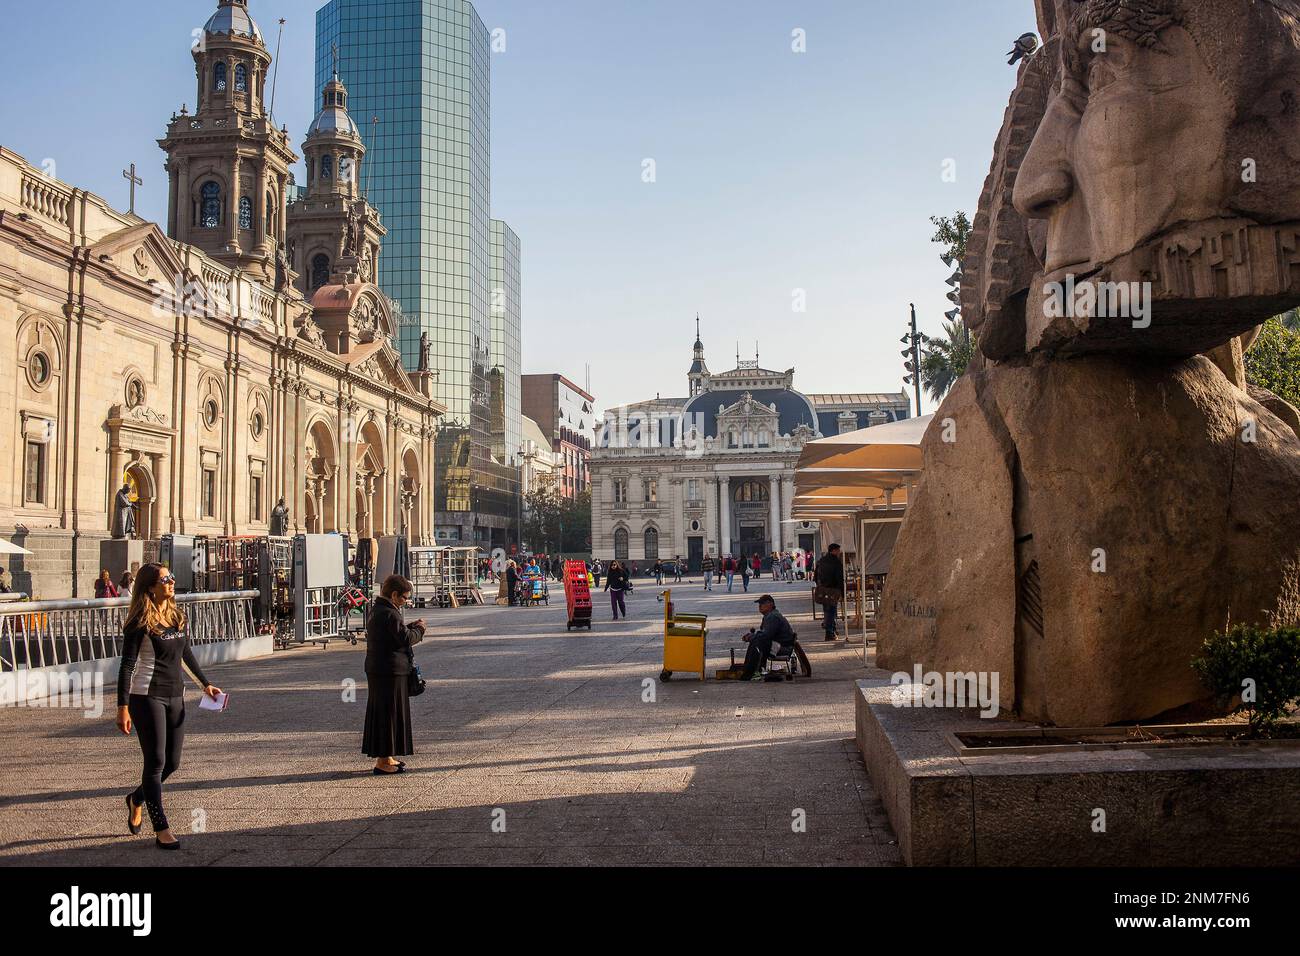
(520, 716)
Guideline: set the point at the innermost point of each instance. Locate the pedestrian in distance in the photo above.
(151, 693)
(512, 582)
(757, 565)
(729, 569)
(706, 565)
(596, 571)
(744, 574)
(390, 663)
(104, 586)
(617, 583)
(677, 569)
(829, 578)
(658, 572)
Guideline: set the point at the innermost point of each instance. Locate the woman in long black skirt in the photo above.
(388, 665)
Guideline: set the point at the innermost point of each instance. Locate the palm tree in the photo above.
(946, 359)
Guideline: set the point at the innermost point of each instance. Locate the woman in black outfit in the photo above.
(389, 662)
(150, 692)
(616, 584)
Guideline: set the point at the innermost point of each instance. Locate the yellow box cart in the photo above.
(685, 636)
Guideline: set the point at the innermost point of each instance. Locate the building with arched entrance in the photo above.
(203, 365)
(712, 473)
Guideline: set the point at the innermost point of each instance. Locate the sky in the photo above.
(780, 178)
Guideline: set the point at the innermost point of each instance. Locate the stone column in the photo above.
(233, 227)
(787, 505)
(774, 497)
(184, 210)
(724, 516)
(710, 514)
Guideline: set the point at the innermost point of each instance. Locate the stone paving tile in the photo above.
(520, 716)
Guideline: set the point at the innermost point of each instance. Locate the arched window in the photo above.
(245, 213)
(210, 206)
(620, 544)
(751, 491)
(241, 78)
(651, 544)
(327, 166)
(320, 270)
(219, 77)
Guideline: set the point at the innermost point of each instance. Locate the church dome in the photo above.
(232, 19)
(333, 116)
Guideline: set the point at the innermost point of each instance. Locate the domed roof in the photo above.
(333, 119)
(333, 116)
(793, 408)
(232, 19)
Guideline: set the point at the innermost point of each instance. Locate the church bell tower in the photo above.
(228, 165)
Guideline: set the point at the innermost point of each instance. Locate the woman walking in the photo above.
(150, 692)
(389, 665)
(616, 584)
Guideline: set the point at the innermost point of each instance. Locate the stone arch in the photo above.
(371, 469)
(650, 542)
(144, 492)
(412, 490)
(621, 537)
(321, 473)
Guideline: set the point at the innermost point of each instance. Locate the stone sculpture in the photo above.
(279, 519)
(1114, 492)
(124, 514)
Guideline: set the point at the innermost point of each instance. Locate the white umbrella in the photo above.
(7, 547)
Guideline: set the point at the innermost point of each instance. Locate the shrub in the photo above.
(1258, 664)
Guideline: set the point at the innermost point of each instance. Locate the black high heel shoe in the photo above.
(401, 767)
(135, 828)
(176, 845)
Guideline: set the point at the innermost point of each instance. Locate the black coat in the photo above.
(830, 572)
(389, 640)
(617, 580)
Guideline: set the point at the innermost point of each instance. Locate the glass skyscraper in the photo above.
(420, 68)
(505, 297)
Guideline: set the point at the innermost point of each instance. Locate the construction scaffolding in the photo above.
(428, 588)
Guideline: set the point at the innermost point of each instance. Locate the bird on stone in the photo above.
(1024, 47)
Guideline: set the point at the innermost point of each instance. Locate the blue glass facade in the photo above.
(421, 67)
(505, 295)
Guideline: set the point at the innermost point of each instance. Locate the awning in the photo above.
(895, 446)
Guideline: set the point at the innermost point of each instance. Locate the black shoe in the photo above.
(135, 828)
(166, 846)
(401, 768)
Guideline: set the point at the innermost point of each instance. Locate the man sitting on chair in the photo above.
(773, 633)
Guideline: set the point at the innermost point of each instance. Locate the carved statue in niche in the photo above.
(1064, 540)
(124, 510)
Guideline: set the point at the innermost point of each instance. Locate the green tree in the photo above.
(576, 536)
(543, 516)
(1274, 362)
(945, 360)
(953, 233)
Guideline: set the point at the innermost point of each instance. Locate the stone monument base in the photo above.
(1227, 804)
(119, 555)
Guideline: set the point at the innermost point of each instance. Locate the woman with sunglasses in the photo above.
(150, 692)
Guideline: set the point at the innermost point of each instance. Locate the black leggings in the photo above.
(160, 725)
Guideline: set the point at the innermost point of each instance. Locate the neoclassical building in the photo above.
(243, 355)
(713, 473)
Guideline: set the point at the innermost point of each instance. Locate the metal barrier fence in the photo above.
(54, 633)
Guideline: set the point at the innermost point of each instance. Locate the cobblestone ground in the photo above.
(523, 724)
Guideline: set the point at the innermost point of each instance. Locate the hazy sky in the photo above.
(776, 171)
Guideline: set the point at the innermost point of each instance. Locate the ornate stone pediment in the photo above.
(748, 414)
(141, 253)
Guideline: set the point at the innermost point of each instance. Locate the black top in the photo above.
(389, 640)
(151, 664)
(830, 572)
(617, 580)
(777, 628)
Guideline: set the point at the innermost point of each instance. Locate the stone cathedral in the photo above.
(242, 355)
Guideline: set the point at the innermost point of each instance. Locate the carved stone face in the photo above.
(1131, 144)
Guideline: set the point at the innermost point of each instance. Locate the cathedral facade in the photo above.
(713, 473)
(241, 356)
